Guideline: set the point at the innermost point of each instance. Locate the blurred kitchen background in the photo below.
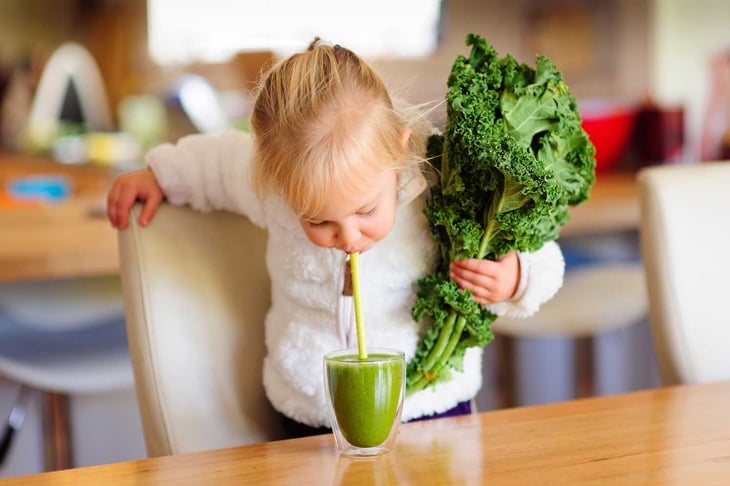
(100, 81)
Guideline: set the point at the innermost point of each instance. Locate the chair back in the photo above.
(685, 242)
(196, 292)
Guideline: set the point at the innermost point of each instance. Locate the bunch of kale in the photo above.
(513, 158)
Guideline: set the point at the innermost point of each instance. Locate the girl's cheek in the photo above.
(385, 226)
(318, 237)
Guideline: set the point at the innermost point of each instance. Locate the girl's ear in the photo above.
(404, 137)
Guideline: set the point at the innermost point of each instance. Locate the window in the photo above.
(184, 31)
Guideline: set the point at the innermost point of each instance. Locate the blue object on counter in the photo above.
(48, 188)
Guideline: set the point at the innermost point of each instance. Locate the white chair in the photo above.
(685, 240)
(60, 338)
(595, 299)
(196, 292)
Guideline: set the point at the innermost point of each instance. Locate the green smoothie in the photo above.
(366, 395)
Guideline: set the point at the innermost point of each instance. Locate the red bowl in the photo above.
(609, 125)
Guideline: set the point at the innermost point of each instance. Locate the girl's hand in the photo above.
(489, 281)
(138, 185)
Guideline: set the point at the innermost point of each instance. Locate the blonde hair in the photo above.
(323, 120)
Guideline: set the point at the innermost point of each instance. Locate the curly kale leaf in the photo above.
(513, 158)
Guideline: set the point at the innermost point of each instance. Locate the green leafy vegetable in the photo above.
(512, 159)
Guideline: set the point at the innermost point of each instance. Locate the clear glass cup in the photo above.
(365, 399)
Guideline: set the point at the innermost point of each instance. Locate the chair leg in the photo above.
(15, 422)
(584, 368)
(505, 376)
(56, 432)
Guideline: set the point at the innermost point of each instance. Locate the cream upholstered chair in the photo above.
(685, 240)
(196, 293)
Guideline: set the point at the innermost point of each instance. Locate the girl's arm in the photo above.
(208, 172)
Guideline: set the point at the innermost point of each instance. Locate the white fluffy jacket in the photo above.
(308, 315)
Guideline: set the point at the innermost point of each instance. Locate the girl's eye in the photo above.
(368, 213)
(316, 223)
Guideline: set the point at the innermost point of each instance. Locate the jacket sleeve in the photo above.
(208, 172)
(541, 276)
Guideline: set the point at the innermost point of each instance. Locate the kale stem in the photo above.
(486, 239)
(453, 342)
(443, 339)
(444, 357)
(496, 207)
(419, 385)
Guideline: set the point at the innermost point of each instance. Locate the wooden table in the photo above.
(73, 239)
(667, 436)
(66, 240)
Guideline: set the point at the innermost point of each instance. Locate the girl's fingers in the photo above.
(479, 291)
(471, 274)
(152, 202)
(127, 197)
(126, 190)
(472, 264)
(122, 208)
(482, 278)
(111, 205)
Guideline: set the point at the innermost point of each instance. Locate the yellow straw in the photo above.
(359, 324)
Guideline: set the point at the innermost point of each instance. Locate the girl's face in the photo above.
(355, 222)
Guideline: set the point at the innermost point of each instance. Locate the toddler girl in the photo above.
(331, 167)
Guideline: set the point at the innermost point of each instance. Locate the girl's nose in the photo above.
(348, 236)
